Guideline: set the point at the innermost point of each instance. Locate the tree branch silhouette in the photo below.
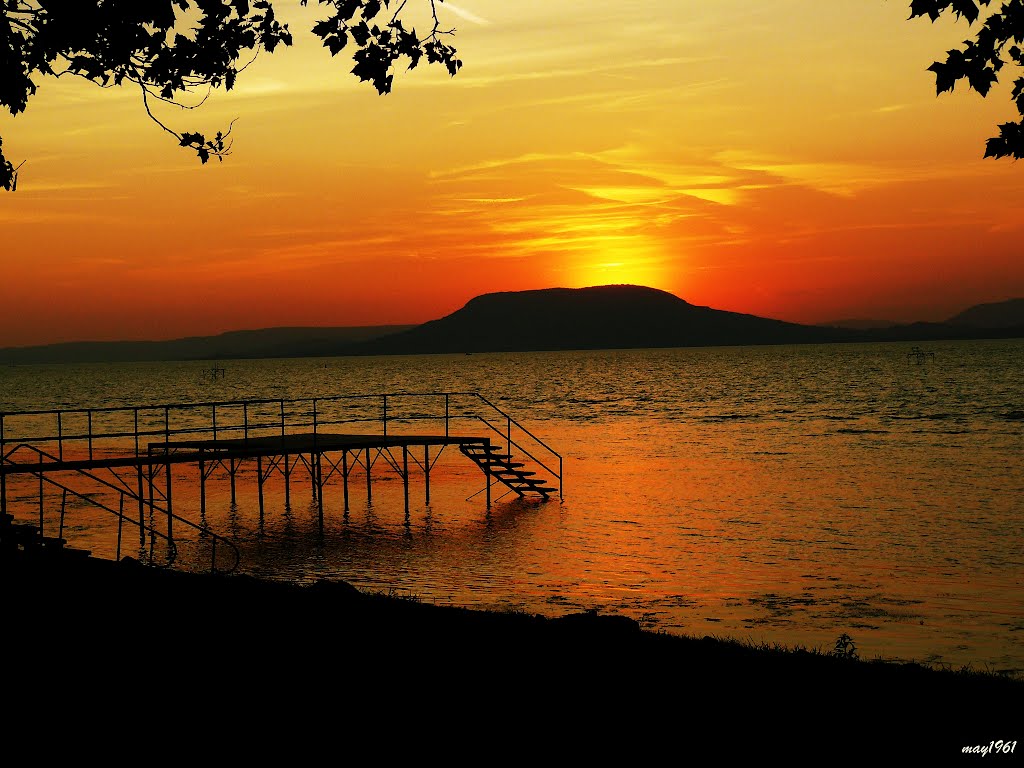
(980, 61)
(170, 49)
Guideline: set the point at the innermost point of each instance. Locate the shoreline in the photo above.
(97, 615)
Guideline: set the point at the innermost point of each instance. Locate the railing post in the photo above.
(89, 412)
(446, 414)
(385, 415)
(282, 417)
(60, 437)
(167, 427)
(136, 410)
(245, 423)
(214, 422)
(508, 434)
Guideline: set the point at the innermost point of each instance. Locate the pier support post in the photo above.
(142, 510)
(231, 471)
(369, 492)
(259, 484)
(320, 494)
(426, 471)
(287, 484)
(405, 476)
(344, 474)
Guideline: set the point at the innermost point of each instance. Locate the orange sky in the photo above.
(787, 158)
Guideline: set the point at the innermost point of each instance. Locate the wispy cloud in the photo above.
(462, 13)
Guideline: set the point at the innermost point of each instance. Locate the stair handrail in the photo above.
(523, 449)
(513, 421)
(203, 530)
(172, 547)
(509, 421)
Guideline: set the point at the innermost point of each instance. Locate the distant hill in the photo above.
(605, 317)
(860, 324)
(267, 342)
(1002, 314)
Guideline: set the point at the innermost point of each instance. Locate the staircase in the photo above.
(27, 538)
(500, 466)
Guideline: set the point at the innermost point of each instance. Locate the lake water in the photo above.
(782, 495)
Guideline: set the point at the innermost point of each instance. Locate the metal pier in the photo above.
(122, 460)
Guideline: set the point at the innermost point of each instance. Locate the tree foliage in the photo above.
(996, 43)
(172, 50)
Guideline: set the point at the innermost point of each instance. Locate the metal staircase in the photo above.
(501, 467)
(29, 538)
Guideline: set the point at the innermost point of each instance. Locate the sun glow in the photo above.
(570, 151)
(621, 267)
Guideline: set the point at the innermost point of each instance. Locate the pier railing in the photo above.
(90, 434)
(221, 555)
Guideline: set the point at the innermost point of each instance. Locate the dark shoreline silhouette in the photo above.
(85, 617)
(602, 317)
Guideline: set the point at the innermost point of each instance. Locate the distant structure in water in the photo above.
(215, 373)
(919, 356)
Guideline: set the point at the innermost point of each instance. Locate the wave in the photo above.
(731, 416)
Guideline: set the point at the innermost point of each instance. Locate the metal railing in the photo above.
(145, 530)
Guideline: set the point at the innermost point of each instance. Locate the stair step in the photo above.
(25, 534)
(526, 482)
(486, 454)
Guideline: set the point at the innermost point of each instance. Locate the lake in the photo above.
(780, 494)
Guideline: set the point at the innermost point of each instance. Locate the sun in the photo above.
(627, 267)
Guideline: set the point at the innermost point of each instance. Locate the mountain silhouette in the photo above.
(262, 343)
(1002, 314)
(603, 317)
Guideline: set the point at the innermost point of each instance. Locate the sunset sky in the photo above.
(785, 158)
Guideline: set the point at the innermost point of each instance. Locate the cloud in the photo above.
(462, 13)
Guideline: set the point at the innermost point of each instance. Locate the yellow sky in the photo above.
(787, 158)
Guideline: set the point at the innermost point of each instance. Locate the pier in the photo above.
(120, 463)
